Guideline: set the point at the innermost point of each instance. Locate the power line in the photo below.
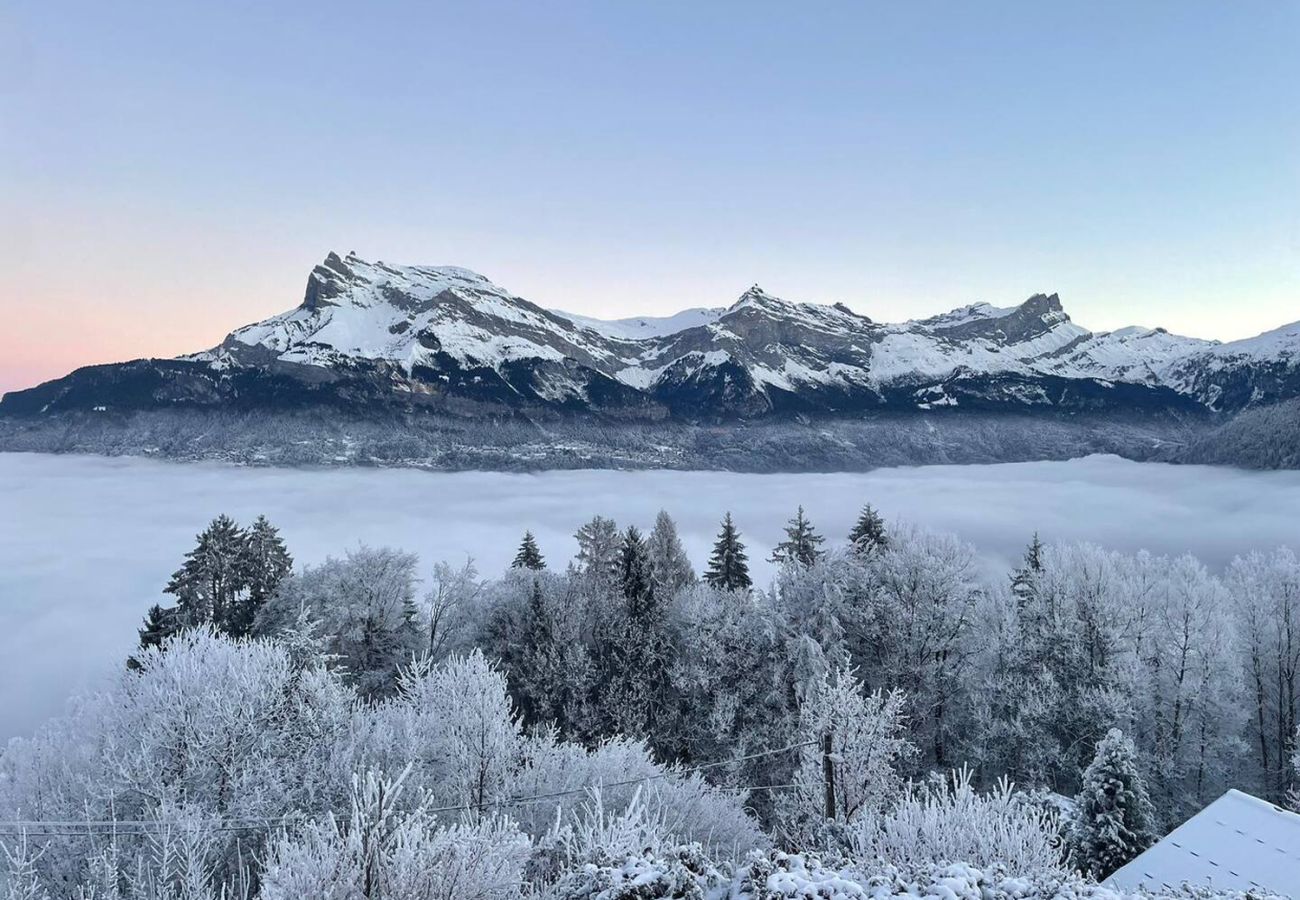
(146, 827)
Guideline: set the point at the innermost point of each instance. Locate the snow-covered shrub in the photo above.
(951, 822)
(783, 876)
(688, 807)
(206, 728)
(682, 873)
(867, 745)
(381, 851)
(623, 855)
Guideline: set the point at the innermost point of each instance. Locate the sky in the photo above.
(67, 626)
(170, 171)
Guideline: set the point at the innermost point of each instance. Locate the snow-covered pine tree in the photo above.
(542, 689)
(1024, 579)
(868, 531)
(634, 570)
(1114, 820)
(266, 565)
(214, 579)
(729, 565)
(801, 544)
(528, 557)
(670, 568)
(159, 625)
(598, 547)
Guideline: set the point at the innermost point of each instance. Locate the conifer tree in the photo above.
(634, 570)
(543, 683)
(729, 565)
(528, 557)
(1024, 579)
(159, 625)
(670, 568)
(801, 544)
(637, 670)
(1114, 820)
(267, 563)
(598, 548)
(212, 581)
(868, 531)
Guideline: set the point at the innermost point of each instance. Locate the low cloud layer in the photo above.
(87, 543)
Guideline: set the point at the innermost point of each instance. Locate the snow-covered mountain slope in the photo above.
(640, 327)
(373, 335)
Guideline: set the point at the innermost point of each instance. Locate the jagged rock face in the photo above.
(381, 340)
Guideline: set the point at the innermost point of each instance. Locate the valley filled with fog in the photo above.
(87, 543)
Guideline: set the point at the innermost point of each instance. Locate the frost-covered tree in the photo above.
(670, 568)
(598, 548)
(802, 542)
(730, 678)
(1114, 820)
(914, 608)
(544, 685)
(454, 725)
(528, 557)
(868, 532)
(1265, 589)
(449, 607)
(210, 729)
(634, 649)
(364, 609)
(1024, 579)
(729, 565)
(868, 746)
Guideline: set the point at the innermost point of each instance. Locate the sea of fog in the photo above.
(87, 543)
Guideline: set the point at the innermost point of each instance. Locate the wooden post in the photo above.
(828, 776)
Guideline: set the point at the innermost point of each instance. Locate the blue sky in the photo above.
(171, 170)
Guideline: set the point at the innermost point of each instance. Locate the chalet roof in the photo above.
(1237, 842)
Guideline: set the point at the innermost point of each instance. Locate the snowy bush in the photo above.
(952, 822)
(684, 807)
(783, 876)
(381, 852)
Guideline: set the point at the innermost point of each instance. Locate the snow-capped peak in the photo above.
(428, 318)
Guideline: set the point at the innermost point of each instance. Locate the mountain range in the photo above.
(377, 353)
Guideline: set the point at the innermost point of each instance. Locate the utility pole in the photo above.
(828, 776)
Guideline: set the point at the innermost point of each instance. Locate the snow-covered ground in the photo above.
(87, 543)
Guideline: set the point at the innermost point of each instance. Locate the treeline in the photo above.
(1019, 678)
(627, 725)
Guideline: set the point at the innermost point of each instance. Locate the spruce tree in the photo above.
(868, 531)
(1114, 820)
(1025, 579)
(801, 542)
(542, 684)
(670, 568)
(159, 625)
(529, 557)
(213, 580)
(598, 548)
(634, 570)
(267, 563)
(729, 565)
